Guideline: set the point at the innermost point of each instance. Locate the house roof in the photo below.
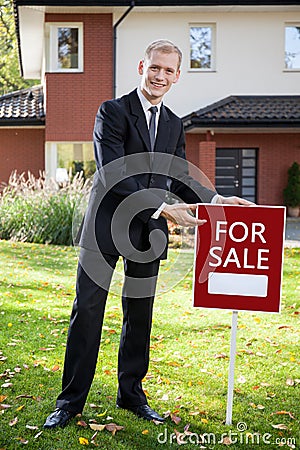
(30, 16)
(24, 107)
(152, 2)
(249, 111)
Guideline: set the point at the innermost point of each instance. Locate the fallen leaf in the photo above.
(290, 382)
(97, 426)
(220, 356)
(55, 368)
(6, 385)
(83, 441)
(175, 418)
(179, 437)
(157, 422)
(4, 406)
(284, 412)
(280, 426)
(260, 407)
(32, 427)
(20, 408)
(226, 440)
(271, 395)
(2, 398)
(13, 422)
(92, 405)
(25, 396)
(204, 420)
(38, 434)
(145, 432)
(93, 438)
(82, 423)
(241, 379)
(113, 428)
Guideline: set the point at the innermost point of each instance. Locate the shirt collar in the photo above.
(145, 103)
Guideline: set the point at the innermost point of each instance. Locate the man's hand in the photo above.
(233, 201)
(181, 214)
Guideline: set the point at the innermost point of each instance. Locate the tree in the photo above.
(10, 77)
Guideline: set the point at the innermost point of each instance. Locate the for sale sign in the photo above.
(238, 257)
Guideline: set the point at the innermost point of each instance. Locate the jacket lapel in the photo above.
(139, 118)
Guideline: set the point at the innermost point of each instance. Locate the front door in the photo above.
(236, 172)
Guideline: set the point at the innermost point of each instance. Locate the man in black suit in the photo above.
(139, 151)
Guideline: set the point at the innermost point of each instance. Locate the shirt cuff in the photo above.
(216, 199)
(158, 212)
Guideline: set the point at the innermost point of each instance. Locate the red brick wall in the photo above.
(276, 152)
(73, 98)
(21, 150)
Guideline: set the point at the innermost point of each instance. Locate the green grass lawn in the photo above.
(188, 372)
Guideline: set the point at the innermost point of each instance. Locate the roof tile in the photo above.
(248, 110)
(23, 107)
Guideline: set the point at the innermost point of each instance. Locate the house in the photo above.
(238, 95)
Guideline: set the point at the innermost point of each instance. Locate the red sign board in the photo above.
(238, 257)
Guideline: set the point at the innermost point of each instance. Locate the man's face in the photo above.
(158, 72)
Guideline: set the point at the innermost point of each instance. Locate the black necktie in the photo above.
(152, 126)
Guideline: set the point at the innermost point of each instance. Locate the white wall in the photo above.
(31, 37)
(249, 55)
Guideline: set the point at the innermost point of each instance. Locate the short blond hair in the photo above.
(165, 46)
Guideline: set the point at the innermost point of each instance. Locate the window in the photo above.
(65, 159)
(202, 42)
(65, 47)
(292, 46)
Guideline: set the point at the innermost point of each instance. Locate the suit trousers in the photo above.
(94, 275)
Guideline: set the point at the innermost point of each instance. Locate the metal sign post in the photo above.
(231, 368)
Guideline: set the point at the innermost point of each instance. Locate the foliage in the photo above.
(10, 78)
(291, 193)
(187, 377)
(39, 210)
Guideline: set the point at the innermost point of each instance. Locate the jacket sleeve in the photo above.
(183, 185)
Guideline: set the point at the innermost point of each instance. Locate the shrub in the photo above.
(291, 193)
(39, 210)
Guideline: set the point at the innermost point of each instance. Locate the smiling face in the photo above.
(159, 72)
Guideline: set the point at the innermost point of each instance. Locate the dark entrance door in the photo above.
(236, 172)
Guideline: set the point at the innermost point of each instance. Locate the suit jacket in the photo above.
(131, 182)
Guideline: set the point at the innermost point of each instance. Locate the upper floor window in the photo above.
(292, 46)
(65, 47)
(202, 46)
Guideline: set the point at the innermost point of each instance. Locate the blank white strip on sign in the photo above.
(237, 284)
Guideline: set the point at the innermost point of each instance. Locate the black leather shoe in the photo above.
(144, 411)
(59, 418)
